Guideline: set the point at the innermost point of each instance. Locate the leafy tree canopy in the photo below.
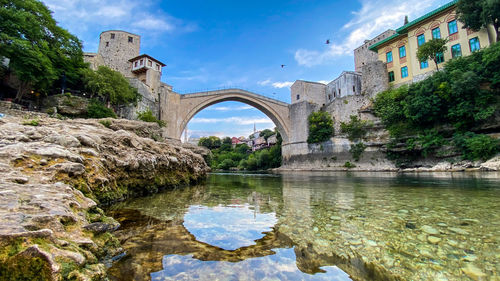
(266, 134)
(475, 14)
(211, 142)
(109, 85)
(40, 52)
(431, 50)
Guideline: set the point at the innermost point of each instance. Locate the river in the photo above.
(315, 226)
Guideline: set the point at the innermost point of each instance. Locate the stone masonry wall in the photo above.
(117, 51)
(375, 79)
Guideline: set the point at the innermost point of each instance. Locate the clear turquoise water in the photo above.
(315, 226)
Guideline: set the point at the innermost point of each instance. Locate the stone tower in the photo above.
(116, 49)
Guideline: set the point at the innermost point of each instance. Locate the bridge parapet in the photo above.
(232, 91)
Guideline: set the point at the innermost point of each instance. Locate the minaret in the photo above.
(254, 130)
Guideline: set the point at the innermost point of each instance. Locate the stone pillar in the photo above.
(170, 102)
(299, 128)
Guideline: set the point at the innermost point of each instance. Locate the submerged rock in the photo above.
(473, 272)
(429, 230)
(434, 239)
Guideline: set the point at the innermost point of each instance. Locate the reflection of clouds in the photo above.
(228, 227)
(281, 266)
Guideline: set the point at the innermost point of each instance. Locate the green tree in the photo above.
(40, 51)
(211, 142)
(432, 50)
(266, 134)
(477, 14)
(227, 140)
(320, 127)
(111, 86)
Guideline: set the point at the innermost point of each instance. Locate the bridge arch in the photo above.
(191, 104)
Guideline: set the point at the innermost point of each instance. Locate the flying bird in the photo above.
(283, 65)
(327, 41)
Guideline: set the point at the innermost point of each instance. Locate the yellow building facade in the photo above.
(399, 51)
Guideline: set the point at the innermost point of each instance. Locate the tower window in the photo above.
(131, 39)
(298, 97)
(354, 89)
(107, 44)
(112, 36)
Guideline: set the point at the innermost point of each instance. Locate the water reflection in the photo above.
(228, 227)
(315, 226)
(280, 266)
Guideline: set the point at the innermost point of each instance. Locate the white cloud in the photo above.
(87, 18)
(233, 120)
(279, 85)
(265, 82)
(374, 17)
(154, 24)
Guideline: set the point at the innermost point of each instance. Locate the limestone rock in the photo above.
(41, 168)
(100, 227)
(492, 164)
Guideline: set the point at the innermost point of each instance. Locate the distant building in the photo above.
(399, 50)
(235, 140)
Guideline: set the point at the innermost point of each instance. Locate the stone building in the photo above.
(399, 50)
(347, 84)
(308, 91)
(363, 55)
(120, 51)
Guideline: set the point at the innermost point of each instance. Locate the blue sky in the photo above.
(216, 44)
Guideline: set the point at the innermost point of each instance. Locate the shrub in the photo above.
(97, 110)
(349, 165)
(105, 123)
(356, 129)
(476, 146)
(34, 122)
(356, 150)
(320, 127)
(147, 116)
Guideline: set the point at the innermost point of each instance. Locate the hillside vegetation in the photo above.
(449, 114)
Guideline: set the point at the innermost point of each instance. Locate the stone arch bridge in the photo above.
(177, 110)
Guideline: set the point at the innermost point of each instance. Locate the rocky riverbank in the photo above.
(54, 176)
